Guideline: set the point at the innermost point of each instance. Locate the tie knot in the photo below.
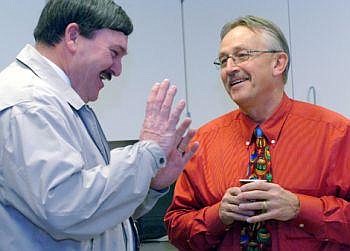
(84, 109)
(258, 132)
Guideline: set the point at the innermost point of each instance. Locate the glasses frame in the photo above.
(249, 54)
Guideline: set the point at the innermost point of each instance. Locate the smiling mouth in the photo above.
(233, 82)
(106, 75)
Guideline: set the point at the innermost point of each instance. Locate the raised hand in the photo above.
(160, 118)
(160, 125)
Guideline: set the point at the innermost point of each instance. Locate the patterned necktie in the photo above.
(94, 129)
(255, 237)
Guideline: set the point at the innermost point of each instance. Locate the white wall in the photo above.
(18, 19)
(320, 53)
(154, 53)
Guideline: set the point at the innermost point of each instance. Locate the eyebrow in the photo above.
(120, 49)
(236, 49)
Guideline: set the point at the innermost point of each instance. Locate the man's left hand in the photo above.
(274, 202)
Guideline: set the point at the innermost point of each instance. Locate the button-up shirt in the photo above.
(310, 150)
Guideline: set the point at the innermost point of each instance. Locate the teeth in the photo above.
(237, 81)
(105, 75)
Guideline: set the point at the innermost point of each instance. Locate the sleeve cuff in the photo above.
(156, 152)
(159, 192)
(310, 215)
(215, 225)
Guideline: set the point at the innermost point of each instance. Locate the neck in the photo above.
(53, 53)
(262, 109)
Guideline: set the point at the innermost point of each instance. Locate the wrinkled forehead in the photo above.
(242, 37)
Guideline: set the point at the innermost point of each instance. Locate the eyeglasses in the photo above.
(240, 56)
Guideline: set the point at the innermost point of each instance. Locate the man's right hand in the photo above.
(229, 207)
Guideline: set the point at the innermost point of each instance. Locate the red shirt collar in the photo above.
(272, 126)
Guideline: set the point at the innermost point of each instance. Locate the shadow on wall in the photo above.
(151, 225)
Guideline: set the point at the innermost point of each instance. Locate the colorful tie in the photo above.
(255, 236)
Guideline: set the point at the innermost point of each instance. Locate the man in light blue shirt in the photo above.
(61, 188)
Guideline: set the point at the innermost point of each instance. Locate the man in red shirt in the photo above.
(301, 150)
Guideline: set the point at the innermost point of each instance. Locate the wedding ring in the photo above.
(180, 150)
(264, 207)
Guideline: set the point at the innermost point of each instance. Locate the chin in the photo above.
(92, 99)
(237, 98)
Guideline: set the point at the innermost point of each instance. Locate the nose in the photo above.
(231, 66)
(117, 67)
(230, 62)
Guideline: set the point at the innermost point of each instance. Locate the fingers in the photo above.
(257, 185)
(261, 217)
(180, 141)
(183, 145)
(188, 155)
(160, 99)
(257, 191)
(255, 205)
(264, 206)
(236, 216)
(271, 202)
(229, 208)
(175, 114)
(234, 191)
(161, 117)
(254, 195)
(165, 103)
(234, 208)
(150, 106)
(163, 91)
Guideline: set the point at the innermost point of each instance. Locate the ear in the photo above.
(71, 35)
(280, 63)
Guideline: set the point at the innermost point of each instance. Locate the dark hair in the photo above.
(90, 15)
(272, 32)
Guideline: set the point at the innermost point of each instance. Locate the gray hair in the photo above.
(271, 33)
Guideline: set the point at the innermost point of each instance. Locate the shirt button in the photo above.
(325, 239)
(247, 143)
(273, 141)
(301, 225)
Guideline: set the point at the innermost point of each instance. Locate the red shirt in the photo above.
(310, 149)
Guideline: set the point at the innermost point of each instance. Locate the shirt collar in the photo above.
(58, 70)
(272, 126)
(41, 67)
